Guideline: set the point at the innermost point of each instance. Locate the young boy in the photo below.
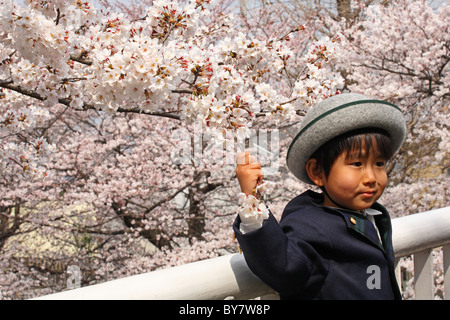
(336, 244)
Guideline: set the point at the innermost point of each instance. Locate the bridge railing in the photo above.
(228, 277)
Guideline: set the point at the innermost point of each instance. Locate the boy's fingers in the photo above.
(260, 178)
(254, 166)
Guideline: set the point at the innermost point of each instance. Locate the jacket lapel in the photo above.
(383, 223)
(362, 226)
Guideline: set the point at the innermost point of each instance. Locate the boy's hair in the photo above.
(361, 142)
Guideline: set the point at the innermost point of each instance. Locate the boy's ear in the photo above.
(315, 173)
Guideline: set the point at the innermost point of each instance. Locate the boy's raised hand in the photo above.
(248, 172)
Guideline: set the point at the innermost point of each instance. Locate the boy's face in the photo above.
(355, 181)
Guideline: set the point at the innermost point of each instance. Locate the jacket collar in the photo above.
(360, 224)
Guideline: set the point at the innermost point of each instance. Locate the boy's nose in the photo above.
(369, 176)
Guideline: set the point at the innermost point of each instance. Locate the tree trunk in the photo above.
(344, 9)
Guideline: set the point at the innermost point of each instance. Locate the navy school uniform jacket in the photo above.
(318, 252)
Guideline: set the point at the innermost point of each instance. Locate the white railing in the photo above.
(228, 277)
(418, 234)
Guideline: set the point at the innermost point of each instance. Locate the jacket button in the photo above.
(352, 220)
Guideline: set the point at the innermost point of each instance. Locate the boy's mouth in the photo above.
(368, 193)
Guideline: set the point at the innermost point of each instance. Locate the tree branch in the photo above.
(8, 84)
(79, 58)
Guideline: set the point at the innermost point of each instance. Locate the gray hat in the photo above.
(337, 115)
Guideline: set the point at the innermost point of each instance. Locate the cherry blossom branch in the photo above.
(79, 58)
(8, 84)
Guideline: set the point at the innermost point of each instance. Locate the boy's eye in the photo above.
(381, 163)
(356, 164)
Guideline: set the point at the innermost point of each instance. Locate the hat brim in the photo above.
(330, 120)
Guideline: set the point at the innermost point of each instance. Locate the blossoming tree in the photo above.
(90, 101)
(165, 64)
